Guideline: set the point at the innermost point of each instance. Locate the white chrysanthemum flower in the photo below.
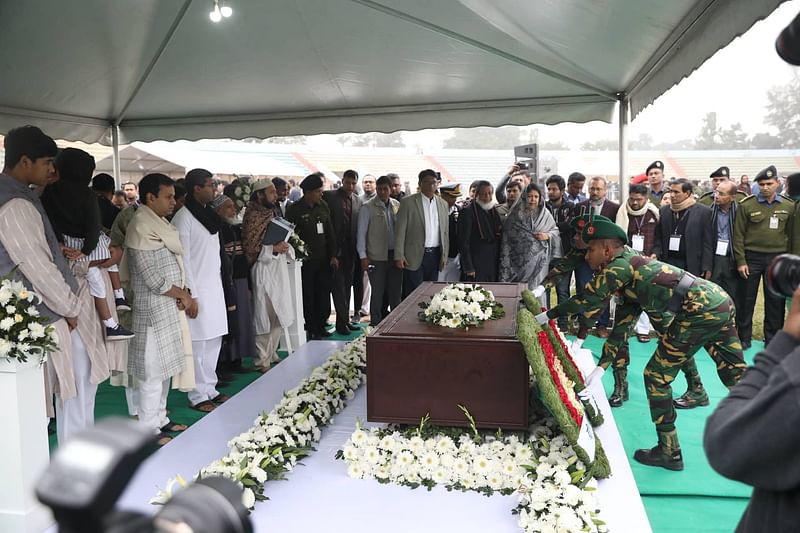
(6, 347)
(481, 464)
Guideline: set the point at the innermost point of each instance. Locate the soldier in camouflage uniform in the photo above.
(566, 265)
(687, 312)
(717, 177)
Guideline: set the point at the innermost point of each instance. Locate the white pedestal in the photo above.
(295, 335)
(24, 451)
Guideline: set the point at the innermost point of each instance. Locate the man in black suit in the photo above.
(684, 238)
(597, 204)
(344, 205)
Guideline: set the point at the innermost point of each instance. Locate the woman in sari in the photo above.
(530, 240)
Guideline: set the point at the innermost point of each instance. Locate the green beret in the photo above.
(603, 228)
(769, 173)
(721, 172)
(579, 222)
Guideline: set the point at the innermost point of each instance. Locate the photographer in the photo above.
(754, 433)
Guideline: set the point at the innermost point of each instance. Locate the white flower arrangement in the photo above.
(23, 331)
(279, 439)
(461, 305)
(539, 466)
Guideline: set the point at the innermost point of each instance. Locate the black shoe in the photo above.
(353, 327)
(343, 331)
(655, 456)
(118, 333)
(314, 337)
(746, 345)
(690, 400)
(122, 304)
(325, 334)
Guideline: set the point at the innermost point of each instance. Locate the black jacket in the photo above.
(697, 238)
(345, 237)
(562, 215)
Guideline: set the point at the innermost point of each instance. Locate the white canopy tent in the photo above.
(128, 70)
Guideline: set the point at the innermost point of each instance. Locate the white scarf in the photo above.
(623, 214)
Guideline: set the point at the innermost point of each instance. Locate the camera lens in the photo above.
(210, 504)
(783, 275)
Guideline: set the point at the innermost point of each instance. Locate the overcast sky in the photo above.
(733, 83)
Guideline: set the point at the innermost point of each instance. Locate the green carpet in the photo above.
(675, 500)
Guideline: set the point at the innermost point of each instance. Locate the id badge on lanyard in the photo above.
(637, 243)
(675, 243)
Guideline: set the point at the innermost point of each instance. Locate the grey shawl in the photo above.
(523, 258)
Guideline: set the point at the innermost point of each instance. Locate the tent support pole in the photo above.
(624, 104)
(115, 155)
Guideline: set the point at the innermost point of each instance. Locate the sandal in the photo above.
(163, 439)
(173, 427)
(262, 369)
(220, 398)
(204, 407)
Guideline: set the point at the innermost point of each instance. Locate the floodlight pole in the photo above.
(624, 107)
(115, 155)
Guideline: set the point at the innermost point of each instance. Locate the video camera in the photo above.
(783, 275)
(89, 473)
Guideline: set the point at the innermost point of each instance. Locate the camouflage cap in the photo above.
(769, 173)
(603, 228)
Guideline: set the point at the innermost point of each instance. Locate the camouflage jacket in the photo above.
(564, 266)
(640, 284)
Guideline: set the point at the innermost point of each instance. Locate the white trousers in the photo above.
(367, 293)
(151, 393)
(267, 344)
(132, 399)
(97, 285)
(643, 324)
(77, 413)
(206, 355)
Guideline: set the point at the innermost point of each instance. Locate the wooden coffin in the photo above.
(415, 368)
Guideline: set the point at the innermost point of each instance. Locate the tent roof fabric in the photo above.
(160, 69)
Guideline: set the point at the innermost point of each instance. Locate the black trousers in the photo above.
(342, 284)
(317, 280)
(726, 276)
(427, 271)
(358, 287)
(773, 305)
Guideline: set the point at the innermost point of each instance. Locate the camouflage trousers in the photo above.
(715, 330)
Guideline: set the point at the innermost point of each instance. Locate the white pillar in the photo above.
(117, 169)
(296, 332)
(624, 105)
(24, 450)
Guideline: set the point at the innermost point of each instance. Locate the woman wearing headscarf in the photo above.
(530, 240)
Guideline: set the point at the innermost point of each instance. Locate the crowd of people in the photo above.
(184, 270)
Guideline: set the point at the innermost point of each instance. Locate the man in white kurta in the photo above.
(272, 298)
(198, 226)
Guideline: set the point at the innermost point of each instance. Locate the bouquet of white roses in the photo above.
(23, 332)
(461, 305)
(241, 193)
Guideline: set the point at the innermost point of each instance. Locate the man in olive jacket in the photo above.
(422, 234)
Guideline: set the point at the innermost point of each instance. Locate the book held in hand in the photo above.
(278, 230)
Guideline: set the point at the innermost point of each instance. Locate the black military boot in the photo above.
(666, 454)
(620, 393)
(695, 395)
